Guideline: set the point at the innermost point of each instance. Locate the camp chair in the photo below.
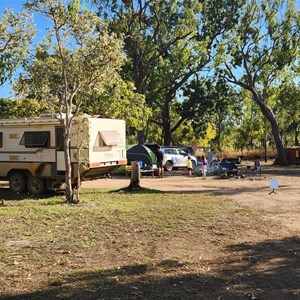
(256, 170)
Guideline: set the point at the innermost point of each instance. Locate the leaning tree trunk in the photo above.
(275, 128)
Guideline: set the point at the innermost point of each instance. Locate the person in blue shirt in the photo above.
(203, 166)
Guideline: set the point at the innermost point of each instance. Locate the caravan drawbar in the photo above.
(32, 151)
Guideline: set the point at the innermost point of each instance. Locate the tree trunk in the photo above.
(68, 175)
(265, 140)
(78, 183)
(167, 124)
(141, 137)
(296, 140)
(135, 176)
(282, 159)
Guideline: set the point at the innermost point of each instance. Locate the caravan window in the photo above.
(0, 139)
(32, 139)
(109, 138)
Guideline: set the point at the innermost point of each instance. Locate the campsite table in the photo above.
(142, 171)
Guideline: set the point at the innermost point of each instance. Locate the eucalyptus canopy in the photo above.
(16, 32)
(167, 42)
(258, 49)
(78, 58)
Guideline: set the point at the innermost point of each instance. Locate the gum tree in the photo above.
(257, 50)
(78, 57)
(167, 43)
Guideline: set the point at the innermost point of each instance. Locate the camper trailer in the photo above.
(32, 151)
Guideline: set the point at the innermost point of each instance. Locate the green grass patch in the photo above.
(140, 245)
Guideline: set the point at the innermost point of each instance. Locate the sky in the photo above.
(41, 25)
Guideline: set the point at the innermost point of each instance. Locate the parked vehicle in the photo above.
(236, 160)
(176, 158)
(32, 151)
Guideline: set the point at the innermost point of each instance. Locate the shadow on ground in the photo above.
(6, 194)
(266, 270)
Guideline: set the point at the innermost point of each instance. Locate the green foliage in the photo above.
(161, 48)
(79, 57)
(84, 59)
(21, 108)
(119, 101)
(16, 32)
(258, 50)
(287, 111)
(213, 102)
(263, 43)
(5, 105)
(249, 132)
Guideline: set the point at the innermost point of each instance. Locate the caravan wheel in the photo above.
(36, 186)
(17, 183)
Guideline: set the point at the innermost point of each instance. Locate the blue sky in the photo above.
(41, 24)
(16, 5)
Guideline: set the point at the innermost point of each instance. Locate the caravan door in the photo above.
(60, 154)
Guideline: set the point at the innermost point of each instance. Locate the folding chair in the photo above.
(256, 170)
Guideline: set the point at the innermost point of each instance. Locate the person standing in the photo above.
(203, 166)
(159, 161)
(189, 166)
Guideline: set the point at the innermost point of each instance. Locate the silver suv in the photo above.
(176, 158)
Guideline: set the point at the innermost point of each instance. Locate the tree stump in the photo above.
(135, 176)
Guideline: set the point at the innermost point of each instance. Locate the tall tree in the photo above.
(78, 58)
(167, 43)
(255, 52)
(287, 109)
(16, 32)
(213, 102)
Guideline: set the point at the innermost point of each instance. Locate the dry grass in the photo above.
(140, 245)
(246, 154)
(46, 244)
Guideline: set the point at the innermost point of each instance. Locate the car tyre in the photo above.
(169, 166)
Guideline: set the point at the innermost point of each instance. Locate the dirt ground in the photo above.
(235, 261)
(265, 259)
(252, 190)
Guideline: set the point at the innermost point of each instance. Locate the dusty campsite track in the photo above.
(254, 191)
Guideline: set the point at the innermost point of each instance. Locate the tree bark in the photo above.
(135, 176)
(282, 159)
(141, 137)
(68, 175)
(167, 123)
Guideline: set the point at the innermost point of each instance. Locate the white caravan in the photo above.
(32, 151)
